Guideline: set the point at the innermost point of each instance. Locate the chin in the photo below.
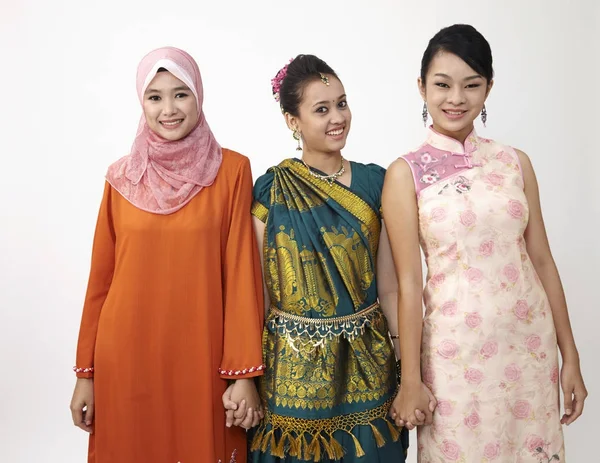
(457, 126)
(336, 146)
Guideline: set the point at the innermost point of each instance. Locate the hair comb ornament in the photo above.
(324, 79)
(278, 80)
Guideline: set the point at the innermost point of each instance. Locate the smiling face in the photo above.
(324, 116)
(170, 107)
(455, 95)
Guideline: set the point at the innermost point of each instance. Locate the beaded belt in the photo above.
(348, 326)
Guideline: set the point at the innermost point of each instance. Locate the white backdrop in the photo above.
(68, 109)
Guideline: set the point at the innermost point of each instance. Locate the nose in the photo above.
(168, 107)
(456, 96)
(338, 116)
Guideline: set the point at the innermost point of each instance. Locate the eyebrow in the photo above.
(176, 89)
(441, 74)
(327, 101)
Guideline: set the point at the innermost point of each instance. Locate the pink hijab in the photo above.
(162, 176)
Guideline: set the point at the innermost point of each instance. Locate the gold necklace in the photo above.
(328, 178)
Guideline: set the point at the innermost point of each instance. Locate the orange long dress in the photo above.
(173, 309)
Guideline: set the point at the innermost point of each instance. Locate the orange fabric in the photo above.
(171, 299)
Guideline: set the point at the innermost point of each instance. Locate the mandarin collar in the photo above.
(445, 143)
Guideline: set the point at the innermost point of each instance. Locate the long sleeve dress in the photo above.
(173, 310)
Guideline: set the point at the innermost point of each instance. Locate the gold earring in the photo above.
(296, 136)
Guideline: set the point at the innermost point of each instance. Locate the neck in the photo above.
(459, 136)
(328, 163)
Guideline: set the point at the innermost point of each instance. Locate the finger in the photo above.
(240, 419)
(409, 426)
(240, 413)
(256, 420)
(229, 418)
(227, 402)
(432, 404)
(399, 422)
(89, 414)
(247, 422)
(568, 404)
(77, 414)
(230, 405)
(429, 417)
(415, 421)
(420, 415)
(261, 412)
(577, 410)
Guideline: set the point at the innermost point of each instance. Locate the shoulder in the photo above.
(523, 158)
(400, 169)
(526, 167)
(234, 161)
(423, 150)
(374, 173)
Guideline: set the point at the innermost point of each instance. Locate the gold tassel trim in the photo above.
(379, 439)
(336, 448)
(393, 431)
(257, 439)
(359, 450)
(310, 440)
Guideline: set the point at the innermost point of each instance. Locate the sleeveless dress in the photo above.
(489, 351)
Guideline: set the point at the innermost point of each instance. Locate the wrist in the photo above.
(244, 380)
(410, 381)
(569, 354)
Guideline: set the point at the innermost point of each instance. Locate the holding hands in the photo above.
(242, 404)
(413, 406)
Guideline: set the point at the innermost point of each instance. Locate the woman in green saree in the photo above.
(331, 372)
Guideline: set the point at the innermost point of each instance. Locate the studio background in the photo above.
(69, 108)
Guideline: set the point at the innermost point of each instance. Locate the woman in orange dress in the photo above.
(174, 302)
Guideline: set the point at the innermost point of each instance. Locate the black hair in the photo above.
(300, 72)
(465, 42)
(161, 70)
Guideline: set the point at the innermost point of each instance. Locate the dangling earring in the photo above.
(425, 114)
(484, 115)
(296, 136)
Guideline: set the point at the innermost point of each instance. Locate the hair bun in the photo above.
(278, 80)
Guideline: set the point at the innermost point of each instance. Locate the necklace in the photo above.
(328, 178)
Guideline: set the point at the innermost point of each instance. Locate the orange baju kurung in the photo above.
(173, 309)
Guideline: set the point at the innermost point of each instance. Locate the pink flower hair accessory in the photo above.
(278, 80)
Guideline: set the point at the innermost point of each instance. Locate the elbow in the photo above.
(541, 260)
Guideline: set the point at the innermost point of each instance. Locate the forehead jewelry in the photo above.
(324, 79)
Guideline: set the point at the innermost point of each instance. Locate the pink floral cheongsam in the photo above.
(489, 349)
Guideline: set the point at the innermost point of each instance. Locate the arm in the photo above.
(242, 349)
(243, 311)
(400, 210)
(100, 279)
(539, 252)
(259, 231)
(387, 287)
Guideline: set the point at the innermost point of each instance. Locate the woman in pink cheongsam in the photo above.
(488, 345)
